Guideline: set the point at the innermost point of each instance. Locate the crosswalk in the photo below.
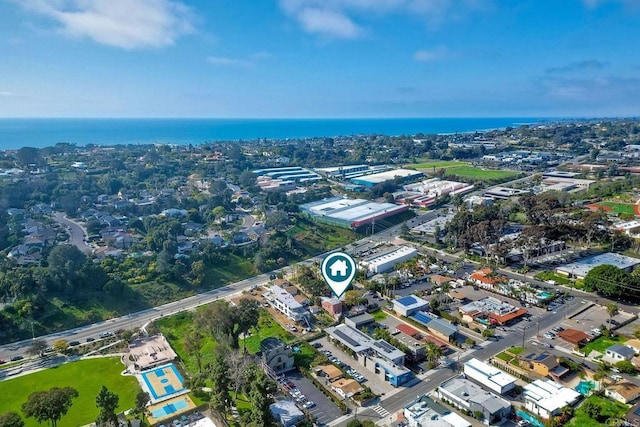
(380, 410)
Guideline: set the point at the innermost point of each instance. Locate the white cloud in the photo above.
(127, 24)
(224, 60)
(344, 18)
(430, 55)
(5, 93)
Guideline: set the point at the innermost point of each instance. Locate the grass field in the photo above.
(601, 344)
(619, 208)
(610, 410)
(471, 172)
(436, 164)
(267, 327)
(86, 376)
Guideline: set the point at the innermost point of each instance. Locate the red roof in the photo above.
(436, 341)
(509, 316)
(409, 330)
(573, 336)
(483, 276)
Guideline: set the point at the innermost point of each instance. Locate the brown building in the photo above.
(334, 307)
(574, 336)
(330, 372)
(543, 364)
(346, 387)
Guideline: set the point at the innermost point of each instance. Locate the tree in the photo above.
(49, 405)
(65, 262)
(626, 367)
(261, 388)
(608, 280)
(353, 297)
(487, 333)
(434, 352)
(11, 419)
(238, 365)
(592, 409)
(247, 179)
(60, 346)
(107, 402)
(248, 314)
(220, 383)
(277, 220)
(141, 401)
(603, 369)
(37, 347)
(612, 310)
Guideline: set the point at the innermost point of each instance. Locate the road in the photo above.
(77, 235)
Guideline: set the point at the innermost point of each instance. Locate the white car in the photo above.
(309, 405)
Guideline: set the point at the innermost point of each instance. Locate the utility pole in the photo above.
(523, 332)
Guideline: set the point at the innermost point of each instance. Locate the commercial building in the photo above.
(291, 173)
(424, 412)
(426, 192)
(351, 171)
(398, 175)
(565, 184)
(546, 398)
(439, 327)
(277, 355)
(574, 336)
(379, 263)
(579, 269)
(359, 320)
(430, 228)
(504, 193)
(268, 184)
(286, 303)
(490, 311)
(466, 395)
(411, 304)
(350, 213)
(378, 356)
(489, 376)
(286, 413)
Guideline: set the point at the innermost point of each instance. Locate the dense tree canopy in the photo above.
(49, 406)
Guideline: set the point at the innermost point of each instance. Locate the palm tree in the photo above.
(612, 310)
(434, 352)
(602, 371)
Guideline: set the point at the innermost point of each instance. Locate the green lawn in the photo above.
(619, 208)
(379, 315)
(504, 356)
(472, 172)
(267, 327)
(602, 343)
(436, 164)
(86, 376)
(516, 350)
(314, 237)
(610, 410)
(174, 328)
(549, 275)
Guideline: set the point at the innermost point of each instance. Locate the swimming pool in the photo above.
(585, 387)
(533, 420)
(163, 381)
(169, 409)
(544, 295)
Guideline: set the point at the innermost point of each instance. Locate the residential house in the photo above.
(333, 306)
(330, 372)
(623, 391)
(487, 278)
(276, 355)
(617, 353)
(346, 387)
(574, 336)
(546, 398)
(284, 302)
(543, 364)
(286, 413)
(489, 376)
(359, 321)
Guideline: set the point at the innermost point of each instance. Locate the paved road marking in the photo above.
(380, 410)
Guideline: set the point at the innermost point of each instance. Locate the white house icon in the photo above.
(339, 268)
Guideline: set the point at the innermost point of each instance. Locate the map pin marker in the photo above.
(338, 270)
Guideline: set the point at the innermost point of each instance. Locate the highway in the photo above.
(141, 318)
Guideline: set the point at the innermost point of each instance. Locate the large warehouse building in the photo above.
(399, 175)
(379, 263)
(350, 213)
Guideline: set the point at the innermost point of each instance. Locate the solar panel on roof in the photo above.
(530, 356)
(541, 357)
(408, 300)
(421, 317)
(346, 338)
(385, 346)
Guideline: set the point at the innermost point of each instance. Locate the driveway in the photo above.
(325, 410)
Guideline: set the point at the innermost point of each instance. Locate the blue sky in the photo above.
(319, 58)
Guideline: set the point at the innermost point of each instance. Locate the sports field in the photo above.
(436, 164)
(619, 208)
(472, 172)
(86, 376)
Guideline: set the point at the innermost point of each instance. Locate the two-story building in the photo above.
(286, 303)
(277, 355)
(546, 398)
(468, 396)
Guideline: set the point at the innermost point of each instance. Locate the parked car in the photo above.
(309, 405)
(89, 339)
(616, 377)
(74, 343)
(16, 358)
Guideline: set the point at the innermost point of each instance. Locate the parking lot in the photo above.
(377, 385)
(324, 410)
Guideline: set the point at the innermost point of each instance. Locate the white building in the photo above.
(386, 261)
(406, 306)
(489, 376)
(424, 412)
(285, 303)
(466, 395)
(546, 398)
(286, 412)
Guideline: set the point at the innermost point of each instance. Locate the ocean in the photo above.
(39, 133)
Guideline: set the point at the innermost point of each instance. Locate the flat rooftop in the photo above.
(377, 178)
(582, 267)
(349, 209)
(491, 373)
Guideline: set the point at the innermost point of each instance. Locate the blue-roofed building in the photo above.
(411, 304)
(437, 326)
